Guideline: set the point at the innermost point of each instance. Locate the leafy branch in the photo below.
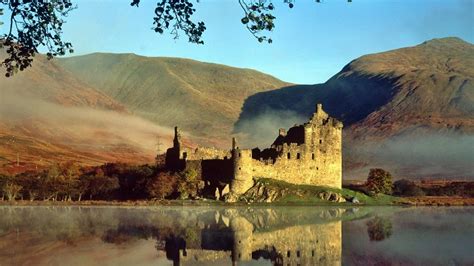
(33, 24)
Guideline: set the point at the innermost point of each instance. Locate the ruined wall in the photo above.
(316, 161)
(308, 154)
(204, 153)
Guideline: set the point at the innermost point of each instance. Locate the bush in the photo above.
(406, 187)
(162, 185)
(188, 184)
(379, 181)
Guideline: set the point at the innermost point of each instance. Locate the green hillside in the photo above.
(202, 98)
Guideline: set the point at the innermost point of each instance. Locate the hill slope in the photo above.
(47, 116)
(202, 98)
(386, 100)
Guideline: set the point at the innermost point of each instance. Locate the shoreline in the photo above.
(408, 201)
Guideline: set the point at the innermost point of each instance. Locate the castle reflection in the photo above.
(280, 236)
(181, 236)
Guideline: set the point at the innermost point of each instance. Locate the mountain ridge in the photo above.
(402, 94)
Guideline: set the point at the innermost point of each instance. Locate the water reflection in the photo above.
(279, 236)
(379, 228)
(229, 236)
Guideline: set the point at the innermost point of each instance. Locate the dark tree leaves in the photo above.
(176, 15)
(36, 23)
(33, 24)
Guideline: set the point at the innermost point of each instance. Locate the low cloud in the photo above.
(431, 155)
(80, 128)
(261, 130)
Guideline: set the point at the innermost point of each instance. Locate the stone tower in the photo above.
(305, 154)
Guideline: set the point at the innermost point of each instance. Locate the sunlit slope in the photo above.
(49, 116)
(379, 95)
(202, 98)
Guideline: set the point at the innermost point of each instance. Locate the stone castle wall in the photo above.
(316, 160)
(204, 153)
(308, 154)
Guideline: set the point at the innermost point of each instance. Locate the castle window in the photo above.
(288, 254)
(240, 168)
(240, 154)
(312, 156)
(185, 155)
(317, 168)
(312, 253)
(298, 156)
(320, 141)
(289, 155)
(298, 254)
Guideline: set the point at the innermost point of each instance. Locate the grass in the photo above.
(309, 194)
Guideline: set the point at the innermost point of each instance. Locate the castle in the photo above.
(310, 153)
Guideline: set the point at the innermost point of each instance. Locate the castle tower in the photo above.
(177, 139)
(242, 164)
(172, 159)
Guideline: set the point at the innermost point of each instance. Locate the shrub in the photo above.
(162, 185)
(379, 181)
(406, 187)
(188, 184)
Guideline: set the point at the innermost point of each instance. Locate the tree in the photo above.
(404, 187)
(100, 184)
(32, 24)
(30, 181)
(188, 184)
(379, 181)
(162, 185)
(11, 190)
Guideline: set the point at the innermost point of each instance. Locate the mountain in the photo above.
(47, 115)
(204, 99)
(420, 98)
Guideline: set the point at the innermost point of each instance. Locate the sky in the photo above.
(311, 42)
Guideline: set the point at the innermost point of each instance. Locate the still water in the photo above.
(236, 236)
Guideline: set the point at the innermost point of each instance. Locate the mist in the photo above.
(82, 128)
(260, 131)
(431, 155)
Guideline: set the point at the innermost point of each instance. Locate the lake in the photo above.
(236, 236)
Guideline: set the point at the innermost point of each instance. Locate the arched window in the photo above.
(288, 155)
(298, 156)
(312, 156)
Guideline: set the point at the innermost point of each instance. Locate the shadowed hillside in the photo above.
(385, 100)
(202, 98)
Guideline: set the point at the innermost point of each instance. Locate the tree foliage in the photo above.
(404, 187)
(33, 24)
(379, 181)
(162, 185)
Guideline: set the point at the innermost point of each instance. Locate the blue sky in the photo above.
(312, 41)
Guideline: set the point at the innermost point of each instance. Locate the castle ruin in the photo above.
(310, 154)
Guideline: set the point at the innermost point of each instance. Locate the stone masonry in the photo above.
(310, 153)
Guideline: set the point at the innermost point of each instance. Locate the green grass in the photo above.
(311, 194)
